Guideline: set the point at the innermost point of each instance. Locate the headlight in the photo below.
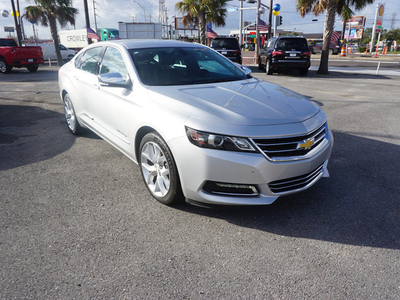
(216, 141)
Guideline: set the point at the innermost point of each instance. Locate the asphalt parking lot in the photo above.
(78, 223)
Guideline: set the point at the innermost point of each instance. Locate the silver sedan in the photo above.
(200, 127)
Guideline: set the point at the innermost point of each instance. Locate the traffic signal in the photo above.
(278, 20)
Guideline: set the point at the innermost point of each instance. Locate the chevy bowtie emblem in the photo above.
(306, 144)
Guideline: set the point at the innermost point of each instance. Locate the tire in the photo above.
(260, 65)
(159, 170)
(4, 67)
(70, 116)
(303, 72)
(330, 51)
(32, 68)
(268, 68)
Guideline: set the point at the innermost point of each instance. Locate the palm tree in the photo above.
(203, 11)
(48, 12)
(332, 7)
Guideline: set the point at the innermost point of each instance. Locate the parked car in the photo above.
(12, 56)
(283, 53)
(49, 51)
(316, 47)
(229, 47)
(199, 126)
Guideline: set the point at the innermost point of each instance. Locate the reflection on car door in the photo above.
(111, 104)
(86, 81)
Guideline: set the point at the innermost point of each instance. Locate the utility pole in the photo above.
(87, 18)
(257, 47)
(271, 4)
(17, 27)
(95, 20)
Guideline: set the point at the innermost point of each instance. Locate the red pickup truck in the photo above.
(13, 56)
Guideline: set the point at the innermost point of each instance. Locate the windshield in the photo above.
(225, 44)
(181, 66)
(289, 44)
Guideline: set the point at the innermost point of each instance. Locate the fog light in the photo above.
(230, 189)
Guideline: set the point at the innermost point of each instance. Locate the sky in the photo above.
(110, 12)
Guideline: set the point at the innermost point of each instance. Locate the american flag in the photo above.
(335, 36)
(262, 26)
(210, 33)
(91, 34)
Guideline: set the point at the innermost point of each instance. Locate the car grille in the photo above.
(295, 183)
(287, 148)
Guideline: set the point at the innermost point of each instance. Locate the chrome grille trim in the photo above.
(296, 183)
(288, 147)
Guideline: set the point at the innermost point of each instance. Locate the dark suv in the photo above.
(229, 47)
(283, 53)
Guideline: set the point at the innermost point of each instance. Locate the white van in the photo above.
(49, 51)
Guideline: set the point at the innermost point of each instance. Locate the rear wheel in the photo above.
(330, 51)
(32, 68)
(70, 116)
(268, 68)
(159, 170)
(4, 67)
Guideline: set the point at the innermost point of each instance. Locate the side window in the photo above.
(113, 62)
(78, 60)
(89, 60)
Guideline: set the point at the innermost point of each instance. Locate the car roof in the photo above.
(150, 43)
(291, 37)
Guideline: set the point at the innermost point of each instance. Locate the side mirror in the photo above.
(245, 69)
(114, 80)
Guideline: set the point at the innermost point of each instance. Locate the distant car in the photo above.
(49, 51)
(199, 126)
(285, 53)
(316, 47)
(12, 56)
(229, 47)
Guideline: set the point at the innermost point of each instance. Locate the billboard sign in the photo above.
(356, 21)
(355, 34)
(180, 26)
(379, 19)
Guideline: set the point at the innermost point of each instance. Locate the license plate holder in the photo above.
(30, 60)
(292, 54)
(224, 52)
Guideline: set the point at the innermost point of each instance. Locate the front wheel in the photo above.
(159, 170)
(4, 67)
(70, 116)
(260, 65)
(268, 68)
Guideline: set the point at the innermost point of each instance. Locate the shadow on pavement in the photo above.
(358, 205)
(30, 134)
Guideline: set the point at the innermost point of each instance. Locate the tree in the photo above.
(203, 11)
(48, 12)
(332, 7)
(393, 34)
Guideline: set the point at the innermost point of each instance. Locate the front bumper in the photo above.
(290, 64)
(198, 167)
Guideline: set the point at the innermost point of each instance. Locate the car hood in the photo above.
(245, 102)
